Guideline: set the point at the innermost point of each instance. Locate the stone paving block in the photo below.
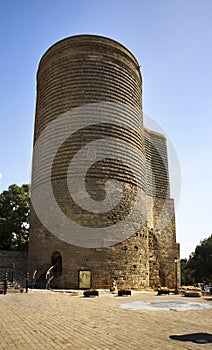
(51, 321)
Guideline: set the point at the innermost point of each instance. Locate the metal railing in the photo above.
(3, 278)
(41, 270)
(51, 274)
(12, 277)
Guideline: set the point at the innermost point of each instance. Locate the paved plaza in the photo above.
(56, 320)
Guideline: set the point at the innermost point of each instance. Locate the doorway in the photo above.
(57, 262)
(84, 279)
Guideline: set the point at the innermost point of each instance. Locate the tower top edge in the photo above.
(89, 39)
(154, 133)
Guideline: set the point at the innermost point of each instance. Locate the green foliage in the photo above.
(200, 262)
(199, 266)
(186, 278)
(14, 218)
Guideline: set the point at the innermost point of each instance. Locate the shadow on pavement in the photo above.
(198, 338)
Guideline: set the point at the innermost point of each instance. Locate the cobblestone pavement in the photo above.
(49, 320)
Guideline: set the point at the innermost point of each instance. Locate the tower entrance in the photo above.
(56, 261)
(84, 279)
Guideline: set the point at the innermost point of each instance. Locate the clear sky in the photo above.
(172, 40)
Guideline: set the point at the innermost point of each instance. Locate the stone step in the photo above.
(12, 287)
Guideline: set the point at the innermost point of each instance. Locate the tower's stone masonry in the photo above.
(75, 72)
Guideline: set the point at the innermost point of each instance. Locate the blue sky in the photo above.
(172, 40)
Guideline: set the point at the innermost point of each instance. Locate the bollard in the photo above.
(27, 281)
(5, 284)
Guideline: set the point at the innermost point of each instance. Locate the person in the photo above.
(114, 288)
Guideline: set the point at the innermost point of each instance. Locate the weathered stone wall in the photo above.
(157, 164)
(9, 257)
(161, 222)
(127, 262)
(162, 245)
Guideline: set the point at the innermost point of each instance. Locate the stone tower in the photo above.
(101, 206)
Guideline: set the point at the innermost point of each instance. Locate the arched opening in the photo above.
(57, 262)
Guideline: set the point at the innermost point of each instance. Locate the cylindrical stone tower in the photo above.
(88, 90)
(88, 222)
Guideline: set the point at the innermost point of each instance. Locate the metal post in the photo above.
(176, 275)
(27, 281)
(5, 283)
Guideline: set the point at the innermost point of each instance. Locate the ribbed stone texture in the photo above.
(96, 76)
(81, 70)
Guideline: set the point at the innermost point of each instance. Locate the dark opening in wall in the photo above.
(57, 262)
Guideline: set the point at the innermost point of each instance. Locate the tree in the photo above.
(200, 262)
(198, 268)
(186, 278)
(14, 218)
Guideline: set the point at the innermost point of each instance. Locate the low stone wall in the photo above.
(7, 258)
